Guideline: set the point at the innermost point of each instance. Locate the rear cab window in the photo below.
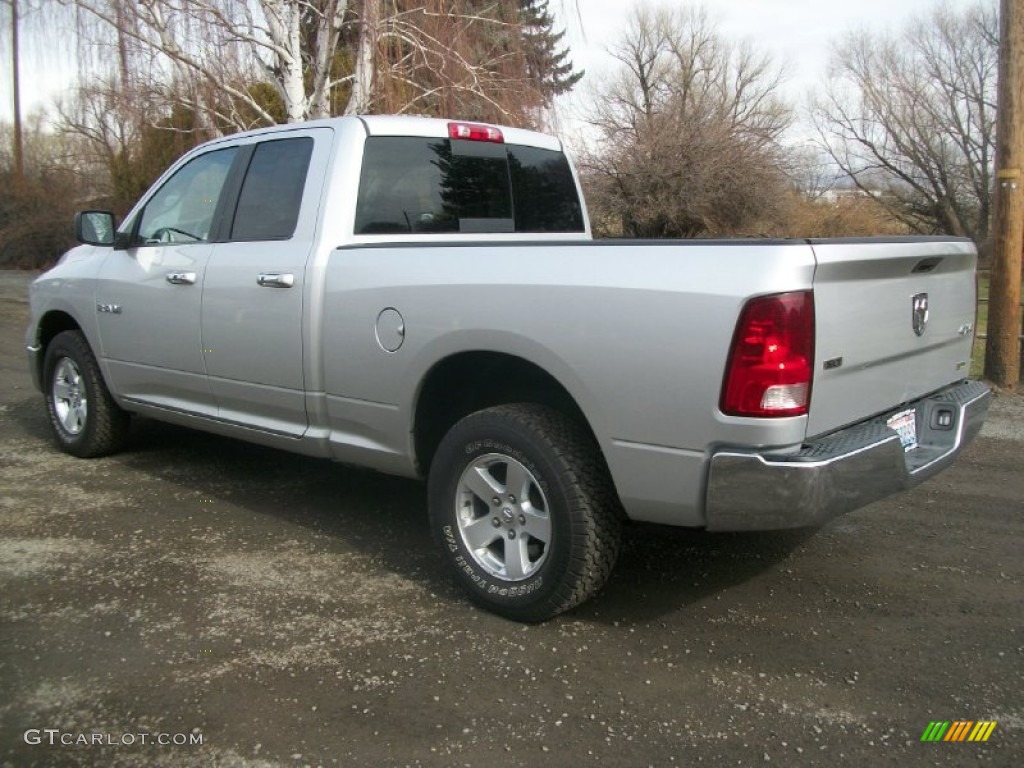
(444, 186)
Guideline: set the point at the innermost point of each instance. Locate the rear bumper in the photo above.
(832, 475)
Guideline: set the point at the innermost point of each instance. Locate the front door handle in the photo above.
(275, 280)
(181, 278)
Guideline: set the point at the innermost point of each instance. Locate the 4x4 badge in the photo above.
(920, 313)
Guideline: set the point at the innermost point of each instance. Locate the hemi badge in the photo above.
(831, 365)
(113, 309)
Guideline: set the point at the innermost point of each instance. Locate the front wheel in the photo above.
(84, 417)
(523, 508)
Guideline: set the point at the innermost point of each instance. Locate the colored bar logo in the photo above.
(958, 730)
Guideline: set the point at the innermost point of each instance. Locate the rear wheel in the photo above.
(84, 417)
(524, 510)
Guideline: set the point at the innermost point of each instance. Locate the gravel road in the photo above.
(287, 612)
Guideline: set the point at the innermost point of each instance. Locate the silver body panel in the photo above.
(152, 350)
(622, 327)
(253, 329)
(638, 333)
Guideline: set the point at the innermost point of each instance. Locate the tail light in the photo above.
(772, 357)
(475, 132)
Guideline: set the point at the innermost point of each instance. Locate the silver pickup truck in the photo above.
(423, 297)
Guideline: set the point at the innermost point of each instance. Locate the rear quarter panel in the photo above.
(637, 332)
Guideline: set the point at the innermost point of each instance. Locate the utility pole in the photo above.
(19, 152)
(1002, 347)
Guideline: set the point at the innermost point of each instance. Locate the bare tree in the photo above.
(912, 116)
(689, 126)
(123, 139)
(211, 51)
(325, 57)
(811, 171)
(461, 57)
(164, 75)
(35, 223)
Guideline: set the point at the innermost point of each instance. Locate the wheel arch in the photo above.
(53, 322)
(469, 381)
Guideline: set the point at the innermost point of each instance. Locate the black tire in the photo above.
(84, 417)
(567, 481)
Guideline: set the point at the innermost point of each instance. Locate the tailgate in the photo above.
(894, 321)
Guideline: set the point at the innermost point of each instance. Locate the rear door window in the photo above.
(271, 195)
(422, 185)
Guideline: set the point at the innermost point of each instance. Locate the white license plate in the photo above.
(905, 424)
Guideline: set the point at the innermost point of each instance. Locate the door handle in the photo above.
(275, 280)
(181, 278)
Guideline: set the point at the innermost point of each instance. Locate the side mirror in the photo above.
(94, 227)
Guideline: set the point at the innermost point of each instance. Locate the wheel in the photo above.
(85, 419)
(523, 508)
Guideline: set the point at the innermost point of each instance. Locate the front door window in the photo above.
(182, 209)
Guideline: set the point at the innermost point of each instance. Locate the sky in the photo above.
(797, 32)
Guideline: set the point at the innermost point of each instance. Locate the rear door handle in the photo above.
(181, 278)
(275, 280)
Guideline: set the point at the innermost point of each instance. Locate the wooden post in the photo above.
(1002, 347)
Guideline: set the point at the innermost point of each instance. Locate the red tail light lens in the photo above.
(772, 357)
(475, 132)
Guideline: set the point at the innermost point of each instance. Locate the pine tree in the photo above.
(547, 58)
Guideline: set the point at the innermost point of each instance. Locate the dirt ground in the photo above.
(289, 612)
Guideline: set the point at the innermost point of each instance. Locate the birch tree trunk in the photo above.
(328, 34)
(285, 34)
(362, 79)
